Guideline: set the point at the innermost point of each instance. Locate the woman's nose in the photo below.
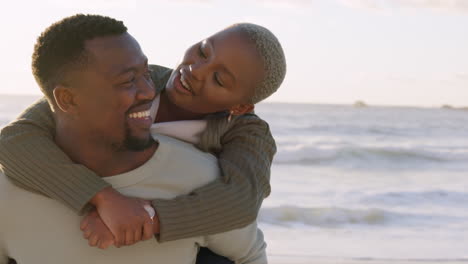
(199, 70)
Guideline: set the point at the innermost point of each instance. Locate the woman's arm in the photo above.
(31, 159)
(245, 150)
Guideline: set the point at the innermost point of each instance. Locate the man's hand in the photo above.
(96, 232)
(124, 216)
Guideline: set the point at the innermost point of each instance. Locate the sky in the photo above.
(383, 52)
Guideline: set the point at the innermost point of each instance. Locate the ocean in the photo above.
(360, 183)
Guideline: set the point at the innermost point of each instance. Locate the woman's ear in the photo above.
(65, 99)
(241, 109)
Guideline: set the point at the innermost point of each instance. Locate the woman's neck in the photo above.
(170, 112)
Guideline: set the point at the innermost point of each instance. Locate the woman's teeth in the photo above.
(185, 84)
(142, 114)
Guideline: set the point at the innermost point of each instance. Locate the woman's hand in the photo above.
(96, 232)
(124, 216)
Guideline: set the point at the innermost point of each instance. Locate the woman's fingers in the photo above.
(129, 239)
(93, 241)
(148, 230)
(84, 223)
(87, 233)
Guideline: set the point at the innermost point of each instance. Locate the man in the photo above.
(93, 109)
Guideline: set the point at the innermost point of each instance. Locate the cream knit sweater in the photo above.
(36, 229)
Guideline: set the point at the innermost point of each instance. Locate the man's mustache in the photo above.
(147, 103)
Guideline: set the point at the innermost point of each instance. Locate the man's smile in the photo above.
(142, 114)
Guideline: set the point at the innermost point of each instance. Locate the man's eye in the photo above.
(147, 74)
(200, 52)
(128, 83)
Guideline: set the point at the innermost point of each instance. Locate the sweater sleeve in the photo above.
(245, 149)
(31, 159)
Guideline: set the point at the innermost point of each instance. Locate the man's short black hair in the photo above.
(61, 47)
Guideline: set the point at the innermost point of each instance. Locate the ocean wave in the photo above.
(432, 197)
(336, 217)
(331, 216)
(365, 156)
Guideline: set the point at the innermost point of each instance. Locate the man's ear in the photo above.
(65, 98)
(242, 109)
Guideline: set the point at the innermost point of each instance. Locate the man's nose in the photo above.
(146, 89)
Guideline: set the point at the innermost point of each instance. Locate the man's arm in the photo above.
(246, 149)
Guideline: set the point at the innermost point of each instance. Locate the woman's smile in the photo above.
(181, 85)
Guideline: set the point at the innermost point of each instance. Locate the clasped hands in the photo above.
(118, 220)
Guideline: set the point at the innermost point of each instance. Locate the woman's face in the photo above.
(216, 74)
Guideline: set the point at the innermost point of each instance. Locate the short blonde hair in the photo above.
(272, 55)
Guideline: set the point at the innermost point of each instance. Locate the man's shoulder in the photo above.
(7, 186)
(8, 191)
(171, 155)
(3, 178)
(174, 147)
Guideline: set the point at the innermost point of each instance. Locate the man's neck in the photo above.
(170, 112)
(103, 159)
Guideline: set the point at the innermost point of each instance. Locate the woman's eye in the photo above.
(200, 51)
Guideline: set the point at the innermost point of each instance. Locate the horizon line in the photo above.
(356, 102)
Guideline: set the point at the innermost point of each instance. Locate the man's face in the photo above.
(216, 74)
(115, 93)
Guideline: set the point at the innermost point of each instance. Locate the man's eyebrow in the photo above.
(223, 66)
(130, 69)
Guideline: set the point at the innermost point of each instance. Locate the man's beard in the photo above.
(132, 143)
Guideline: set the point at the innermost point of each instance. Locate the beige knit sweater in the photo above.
(244, 147)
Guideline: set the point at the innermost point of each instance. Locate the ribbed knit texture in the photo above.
(232, 201)
(32, 160)
(245, 148)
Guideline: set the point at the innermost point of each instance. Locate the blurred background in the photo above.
(371, 122)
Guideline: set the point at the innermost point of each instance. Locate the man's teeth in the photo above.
(184, 83)
(142, 114)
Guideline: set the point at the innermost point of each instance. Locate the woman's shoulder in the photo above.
(248, 118)
(160, 75)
